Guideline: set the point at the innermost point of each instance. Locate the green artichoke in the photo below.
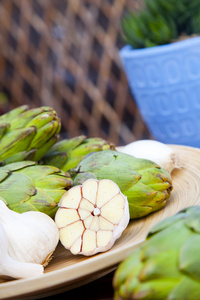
(67, 153)
(26, 186)
(145, 184)
(27, 134)
(167, 265)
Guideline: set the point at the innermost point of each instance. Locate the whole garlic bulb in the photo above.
(162, 154)
(14, 268)
(32, 236)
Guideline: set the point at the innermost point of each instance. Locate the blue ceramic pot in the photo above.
(165, 83)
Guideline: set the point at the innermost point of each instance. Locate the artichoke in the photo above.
(67, 153)
(27, 134)
(167, 265)
(26, 186)
(146, 185)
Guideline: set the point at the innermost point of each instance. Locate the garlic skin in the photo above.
(32, 236)
(13, 268)
(92, 216)
(155, 151)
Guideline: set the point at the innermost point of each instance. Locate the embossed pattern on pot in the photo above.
(165, 83)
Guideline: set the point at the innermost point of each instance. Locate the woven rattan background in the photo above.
(65, 54)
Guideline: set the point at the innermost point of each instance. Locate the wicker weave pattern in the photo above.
(65, 54)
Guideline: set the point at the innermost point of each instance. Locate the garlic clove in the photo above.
(106, 192)
(105, 224)
(103, 238)
(103, 215)
(108, 210)
(89, 242)
(69, 234)
(13, 268)
(88, 221)
(67, 216)
(32, 236)
(89, 190)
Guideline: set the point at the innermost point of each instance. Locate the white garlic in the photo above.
(13, 268)
(162, 154)
(92, 216)
(32, 236)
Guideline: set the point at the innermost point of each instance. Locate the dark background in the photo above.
(65, 54)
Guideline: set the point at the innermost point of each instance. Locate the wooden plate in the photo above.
(66, 271)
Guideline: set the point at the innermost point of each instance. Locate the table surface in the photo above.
(99, 289)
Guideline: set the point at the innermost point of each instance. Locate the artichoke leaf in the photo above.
(20, 156)
(156, 268)
(138, 164)
(17, 141)
(166, 223)
(4, 172)
(3, 128)
(92, 163)
(126, 267)
(163, 240)
(81, 177)
(66, 145)
(20, 120)
(71, 161)
(137, 211)
(189, 260)
(41, 151)
(16, 166)
(12, 114)
(23, 117)
(41, 201)
(39, 171)
(140, 194)
(57, 159)
(43, 134)
(193, 221)
(123, 175)
(155, 176)
(55, 194)
(40, 120)
(154, 289)
(52, 182)
(187, 288)
(16, 195)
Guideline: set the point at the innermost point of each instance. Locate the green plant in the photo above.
(161, 22)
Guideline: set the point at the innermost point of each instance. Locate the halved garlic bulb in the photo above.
(92, 216)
